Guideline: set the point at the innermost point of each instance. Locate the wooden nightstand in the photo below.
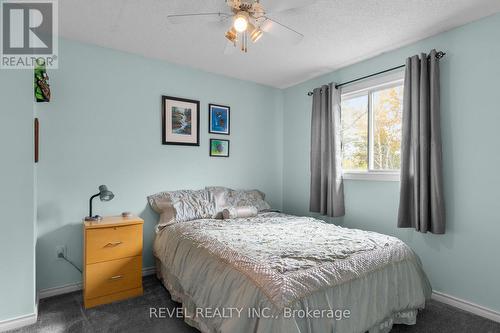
(112, 260)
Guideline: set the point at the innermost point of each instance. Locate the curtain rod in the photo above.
(439, 55)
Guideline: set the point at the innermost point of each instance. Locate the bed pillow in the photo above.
(219, 196)
(183, 205)
(239, 212)
(225, 197)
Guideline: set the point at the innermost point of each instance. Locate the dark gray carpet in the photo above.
(65, 314)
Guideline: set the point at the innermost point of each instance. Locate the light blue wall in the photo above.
(463, 262)
(103, 126)
(17, 235)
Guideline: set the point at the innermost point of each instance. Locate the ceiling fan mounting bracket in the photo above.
(245, 6)
(253, 8)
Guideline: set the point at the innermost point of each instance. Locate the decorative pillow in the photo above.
(183, 205)
(219, 195)
(239, 212)
(225, 197)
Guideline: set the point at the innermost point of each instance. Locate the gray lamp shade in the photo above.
(105, 194)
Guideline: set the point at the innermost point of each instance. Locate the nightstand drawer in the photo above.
(113, 276)
(104, 244)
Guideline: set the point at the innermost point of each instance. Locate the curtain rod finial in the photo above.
(440, 54)
(310, 93)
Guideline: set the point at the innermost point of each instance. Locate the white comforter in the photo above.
(273, 265)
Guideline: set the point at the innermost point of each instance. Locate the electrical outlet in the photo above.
(61, 251)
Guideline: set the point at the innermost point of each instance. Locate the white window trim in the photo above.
(386, 176)
(372, 84)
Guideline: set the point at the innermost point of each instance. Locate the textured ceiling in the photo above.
(337, 33)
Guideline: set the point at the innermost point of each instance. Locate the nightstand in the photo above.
(112, 251)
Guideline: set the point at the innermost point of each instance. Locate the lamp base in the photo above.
(95, 218)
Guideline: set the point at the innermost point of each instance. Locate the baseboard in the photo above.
(18, 322)
(148, 271)
(65, 289)
(466, 306)
(69, 288)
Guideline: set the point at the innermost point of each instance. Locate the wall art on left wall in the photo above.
(41, 82)
(180, 121)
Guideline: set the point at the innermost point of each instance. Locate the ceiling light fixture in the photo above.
(232, 35)
(241, 21)
(255, 33)
(249, 22)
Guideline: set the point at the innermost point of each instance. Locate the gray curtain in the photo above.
(327, 188)
(421, 204)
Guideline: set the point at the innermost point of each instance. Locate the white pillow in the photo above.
(182, 205)
(239, 212)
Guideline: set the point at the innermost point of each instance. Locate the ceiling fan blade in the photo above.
(189, 18)
(223, 22)
(281, 31)
(276, 6)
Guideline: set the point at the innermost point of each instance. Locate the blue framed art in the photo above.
(218, 119)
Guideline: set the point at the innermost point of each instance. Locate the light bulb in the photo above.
(240, 22)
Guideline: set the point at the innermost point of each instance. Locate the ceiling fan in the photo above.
(249, 20)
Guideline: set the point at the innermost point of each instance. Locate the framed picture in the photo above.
(219, 148)
(181, 121)
(218, 119)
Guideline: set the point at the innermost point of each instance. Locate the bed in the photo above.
(281, 273)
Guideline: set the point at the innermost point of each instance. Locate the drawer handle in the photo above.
(116, 277)
(112, 244)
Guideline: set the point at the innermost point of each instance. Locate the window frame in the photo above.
(363, 88)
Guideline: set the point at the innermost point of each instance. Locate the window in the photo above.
(371, 128)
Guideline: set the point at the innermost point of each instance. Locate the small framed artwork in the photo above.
(219, 148)
(181, 121)
(218, 119)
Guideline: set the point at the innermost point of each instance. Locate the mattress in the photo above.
(283, 273)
